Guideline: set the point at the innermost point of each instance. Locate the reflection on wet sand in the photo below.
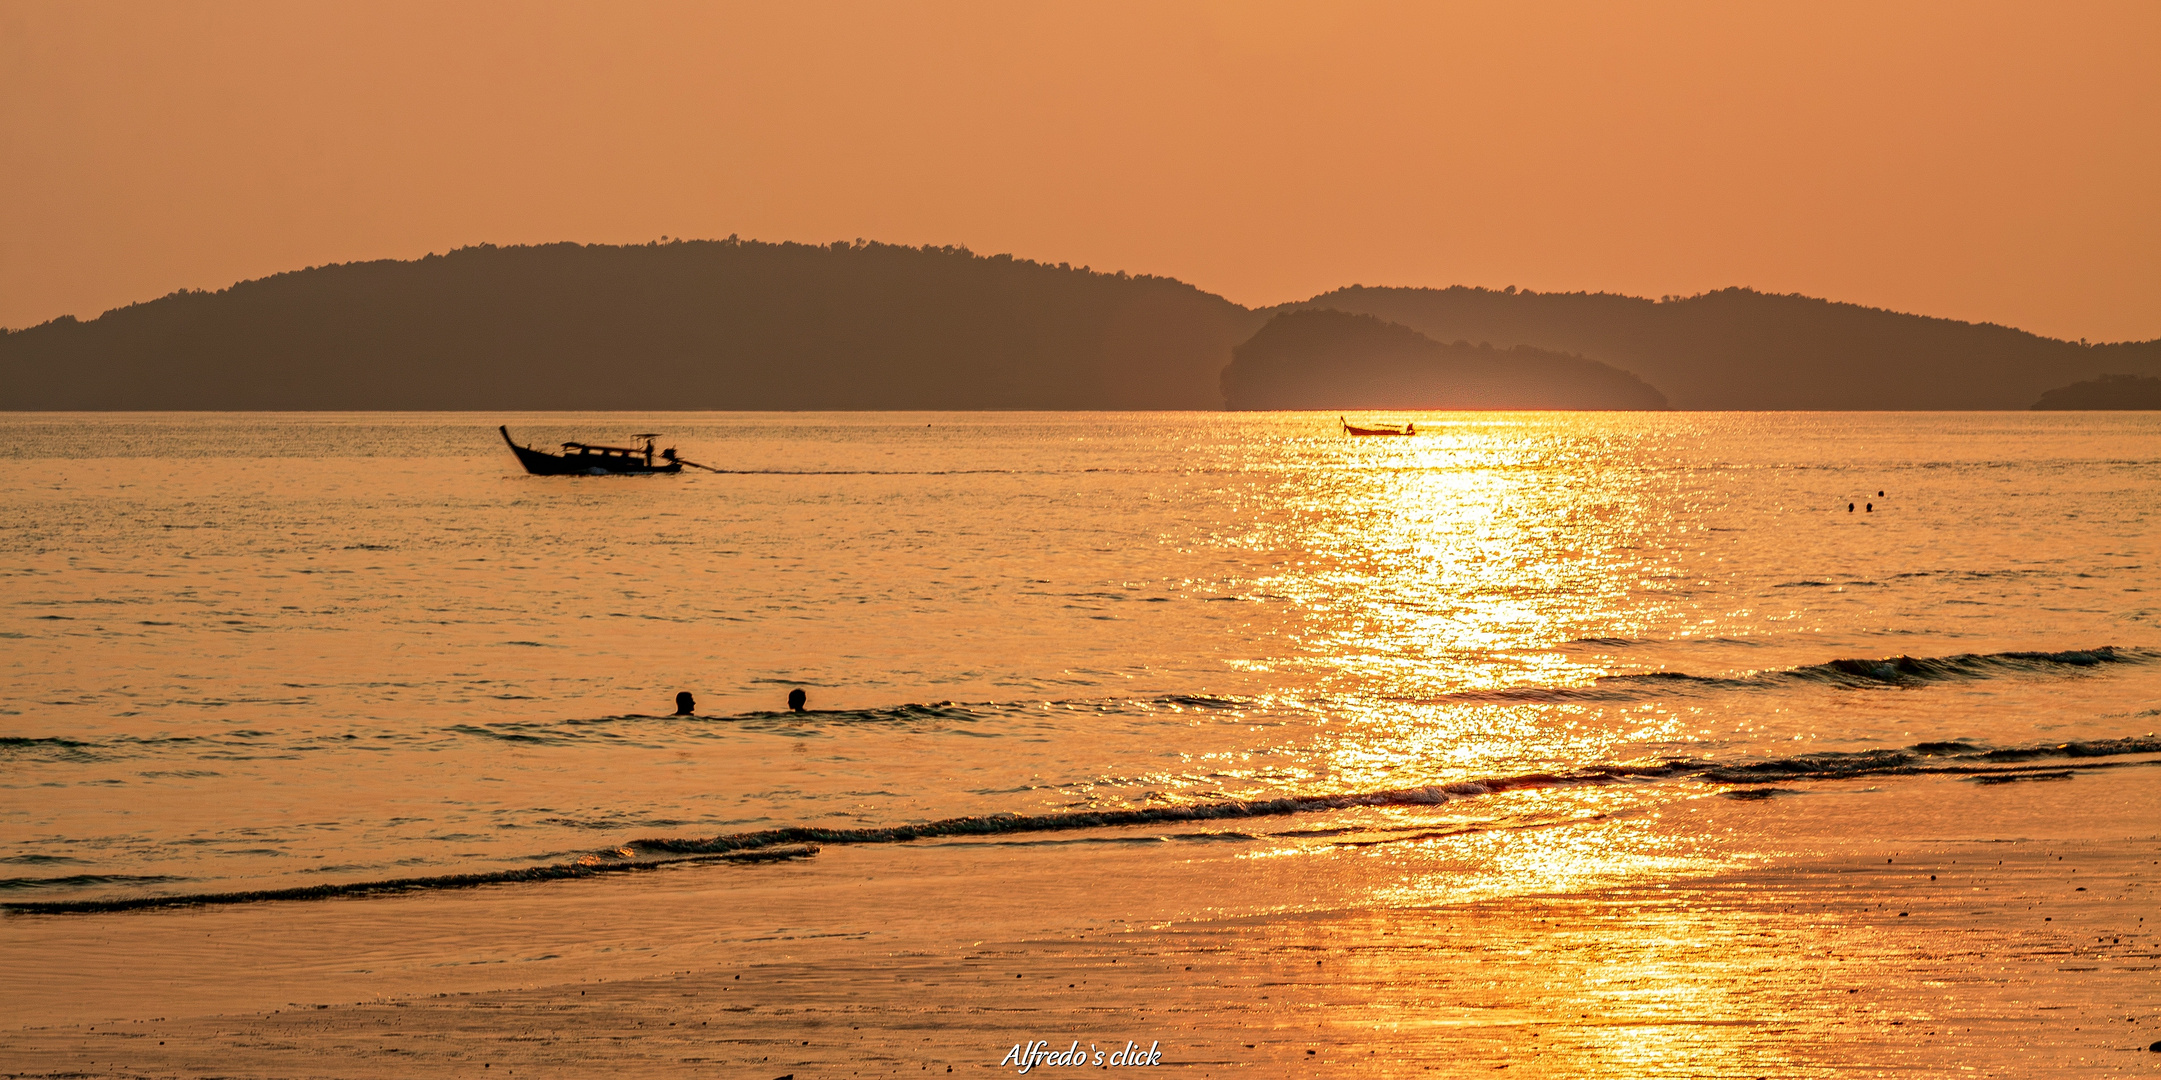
(1654, 938)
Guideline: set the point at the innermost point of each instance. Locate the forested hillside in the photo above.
(1322, 359)
(1741, 349)
(690, 325)
(730, 324)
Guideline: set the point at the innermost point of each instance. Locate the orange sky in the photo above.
(1997, 162)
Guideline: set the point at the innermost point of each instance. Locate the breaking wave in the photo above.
(1928, 758)
(589, 866)
(1750, 780)
(1896, 671)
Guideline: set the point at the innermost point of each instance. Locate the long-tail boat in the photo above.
(1353, 429)
(591, 459)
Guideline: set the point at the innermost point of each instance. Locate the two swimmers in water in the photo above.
(686, 705)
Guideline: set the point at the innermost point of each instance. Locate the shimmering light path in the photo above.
(1546, 740)
(273, 652)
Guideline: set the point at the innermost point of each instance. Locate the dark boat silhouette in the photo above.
(589, 459)
(1352, 429)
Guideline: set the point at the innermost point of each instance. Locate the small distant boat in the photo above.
(589, 459)
(1407, 428)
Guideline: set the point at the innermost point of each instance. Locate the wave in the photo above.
(1747, 780)
(560, 732)
(620, 729)
(77, 881)
(588, 866)
(1970, 759)
(2016, 777)
(51, 749)
(1895, 671)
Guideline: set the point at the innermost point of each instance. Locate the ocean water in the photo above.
(260, 654)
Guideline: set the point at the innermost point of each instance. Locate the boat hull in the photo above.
(542, 463)
(1353, 429)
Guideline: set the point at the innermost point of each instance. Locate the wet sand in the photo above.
(1907, 928)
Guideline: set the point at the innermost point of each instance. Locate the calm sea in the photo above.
(261, 652)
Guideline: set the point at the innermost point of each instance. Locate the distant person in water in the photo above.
(685, 705)
(796, 698)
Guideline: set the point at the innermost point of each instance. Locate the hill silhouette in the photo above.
(2106, 392)
(730, 324)
(722, 324)
(1741, 349)
(1326, 359)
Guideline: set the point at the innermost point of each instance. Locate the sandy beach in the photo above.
(1693, 946)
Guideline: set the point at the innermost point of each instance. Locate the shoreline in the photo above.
(1696, 941)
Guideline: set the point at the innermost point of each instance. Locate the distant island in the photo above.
(740, 324)
(1741, 349)
(2106, 392)
(1325, 359)
(726, 324)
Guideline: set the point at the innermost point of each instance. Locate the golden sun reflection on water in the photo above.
(1013, 615)
(1412, 744)
(1599, 838)
(1530, 842)
(1481, 557)
(1457, 562)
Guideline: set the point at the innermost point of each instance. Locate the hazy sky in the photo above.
(1983, 161)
